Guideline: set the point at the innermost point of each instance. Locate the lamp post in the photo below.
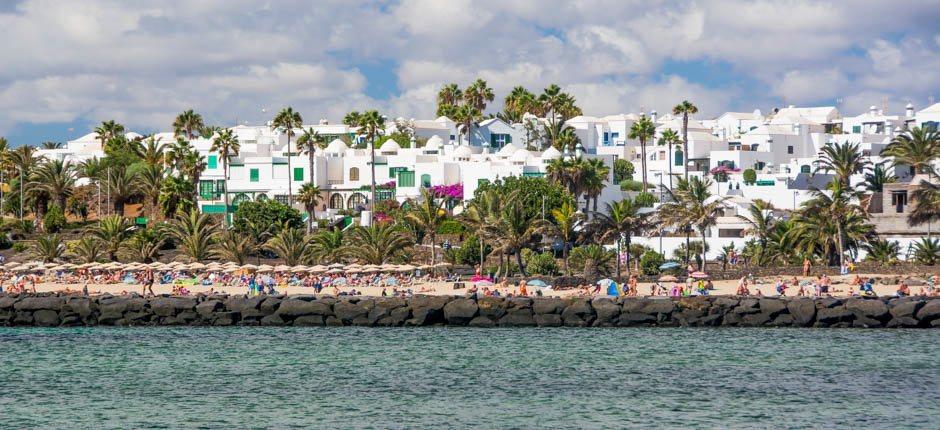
(21, 194)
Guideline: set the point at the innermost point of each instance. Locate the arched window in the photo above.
(356, 200)
(240, 198)
(354, 174)
(261, 197)
(426, 180)
(336, 201)
(805, 168)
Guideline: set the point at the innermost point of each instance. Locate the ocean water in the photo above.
(461, 378)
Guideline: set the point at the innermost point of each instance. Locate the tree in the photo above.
(372, 125)
(467, 116)
(108, 130)
(233, 246)
(557, 107)
(518, 103)
(564, 225)
(623, 170)
(144, 246)
(516, 229)
(927, 251)
(194, 234)
(843, 159)
(291, 244)
(226, 145)
(480, 214)
(671, 140)
(830, 219)
(428, 214)
(57, 178)
(448, 98)
(595, 180)
(152, 151)
(54, 220)
(926, 201)
(287, 120)
(49, 248)
(176, 195)
(882, 251)
(187, 123)
(593, 260)
(533, 193)
(112, 231)
(310, 197)
(352, 119)
(327, 246)
(761, 221)
(265, 214)
(619, 222)
(478, 94)
(692, 204)
(686, 109)
(89, 249)
(876, 179)
(643, 130)
(917, 147)
(378, 243)
(122, 186)
(150, 184)
(309, 142)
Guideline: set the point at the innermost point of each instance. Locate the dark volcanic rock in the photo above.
(481, 321)
(460, 311)
(868, 308)
(929, 312)
(518, 318)
(547, 320)
(39, 303)
(348, 311)
(46, 318)
(548, 305)
(772, 307)
(803, 311)
(170, 306)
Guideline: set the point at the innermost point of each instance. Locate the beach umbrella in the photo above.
(264, 268)
(348, 270)
(483, 283)
(230, 269)
(699, 275)
(668, 265)
(282, 268)
(68, 266)
(668, 278)
(196, 266)
(337, 266)
(354, 266)
(251, 267)
(442, 264)
(156, 265)
(334, 271)
(425, 267)
(536, 283)
(406, 268)
(318, 269)
(299, 269)
(11, 265)
(605, 281)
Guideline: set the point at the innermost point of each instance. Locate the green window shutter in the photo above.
(298, 173)
(205, 189)
(406, 179)
(253, 175)
(426, 180)
(508, 138)
(856, 129)
(220, 186)
(213, 162)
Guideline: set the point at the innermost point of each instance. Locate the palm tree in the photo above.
(466, 115)
(832, 214)
(194, 234)
(686, 108)
(480, 214)
(692, 204)
(352, 119)
(193, 165)
(233, 246)
(309, 142)
(144, 246)
(564, 226)
(49, 248)
(448, 98)
(761, 221)
(291, 244)
(372, 125)
(917, 148)
(926, 201)
(176, 195)
(150, 184)
(227, 146)
(288, 119)
(557, 107)
(57, 178)
(152, 151)
(619, 222)
(187, 123)
(596, 174)
(309, 196)
(882, 251)
(327, 246)
(112, 231)
(428, 215)
(378, 243)
(109, 130)
(878, 177)
(519, 102)
(88, 249)
(643, 130)
(843, 159)
(927, 251)
(122, 186)
(52, 145)
(670, 138)
(478, 94)
(516, 229)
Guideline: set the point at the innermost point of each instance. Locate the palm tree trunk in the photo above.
(564, 257)
(628, 254)
(685, 144)
(225, 188)
(372, 202)
(618, 260)
(643, 161)
(433, 256)
(519, 262)
(482, 257)
(704, 251)
(290, 175)
(841, 245)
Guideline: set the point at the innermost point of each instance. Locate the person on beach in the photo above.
(633, 285)
(903, 290)
(806, 266)
(523, 291)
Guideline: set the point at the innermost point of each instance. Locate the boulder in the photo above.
(663, 306)
(6, 302)
(119, 305)
(902, 322)
(241, 304)
(782, 320)
(427, 310)
(578, 313)
(208, 307)
(309, 321)
(906, 307)
(833, 315)
(332, 321)
(688, 317)
(272, 320)
(348, 311)
(460, 311)
(606, 311)
(222, 318)
(547, 319)
(39, 303)
(83, 306)
(635, 318)
(46, 318)
(866, 322)
(269, 305)
(828, 303)
(481, 321)
(396, 318)
(930, 311)
(869, 308)
(520, 302)
(548, 305)
(293, 308)
(726, 302)
(170, 306)
(756, 320)
(521, 317)
(772, 307)
(802, 310)
(699, 303)
(492, 307)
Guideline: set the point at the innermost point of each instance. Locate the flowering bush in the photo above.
(454, 191)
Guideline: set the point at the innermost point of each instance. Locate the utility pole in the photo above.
(109, 191)
(22, 202)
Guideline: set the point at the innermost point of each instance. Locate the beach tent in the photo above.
(537, 283)
(668, 265)
(611, 286)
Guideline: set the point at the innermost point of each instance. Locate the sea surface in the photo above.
(468, 378)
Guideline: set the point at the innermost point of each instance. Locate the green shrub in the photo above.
(541, 264)
(451, 226)
(750, 177)
(54, 220)
(650, 262)
(623, 170)
(645, 200)
(20, 247)
(253, 218)
(631, 185)
(468, 253)
(592, 260)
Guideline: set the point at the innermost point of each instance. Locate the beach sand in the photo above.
(840, 288)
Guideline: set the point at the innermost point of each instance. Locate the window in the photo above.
(356, 200)
(856, 129)
(790, 149)
(930, 125)
(299, 174)
(213, 162)
(899, 200)
(336, 201)
(759, 165)
(253, 175)
(805, 168)
(678, 158)
(499, 140)
(453, 138)
(354, 174)
(220, 186)
(406, 179)
(205, 190)
(281, 198)
(606, 139)
(426, 180)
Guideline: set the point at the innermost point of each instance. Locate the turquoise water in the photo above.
(459, 377)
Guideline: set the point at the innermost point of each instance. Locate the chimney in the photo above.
(872, 110)
(909, 110)
(653, 116)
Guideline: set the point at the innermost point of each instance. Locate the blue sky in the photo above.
(79, 63)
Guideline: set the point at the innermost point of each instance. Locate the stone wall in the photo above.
(50, 310)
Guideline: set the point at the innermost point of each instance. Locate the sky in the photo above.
(68, 65)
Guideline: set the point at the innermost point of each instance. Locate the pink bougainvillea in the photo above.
(454, 191)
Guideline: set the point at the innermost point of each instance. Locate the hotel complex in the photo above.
(781, 146)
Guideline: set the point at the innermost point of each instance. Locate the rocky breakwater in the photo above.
(50, 310)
